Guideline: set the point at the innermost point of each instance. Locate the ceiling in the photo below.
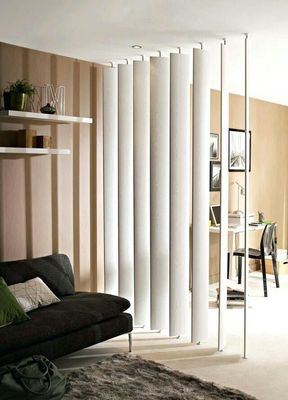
(104, 30)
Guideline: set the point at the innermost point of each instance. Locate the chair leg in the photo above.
(228, 265)
(239, 270)
(263, 267)
(275, 269)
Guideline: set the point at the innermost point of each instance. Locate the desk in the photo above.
(233, 240)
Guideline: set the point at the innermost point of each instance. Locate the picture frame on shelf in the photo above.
(215, 176)
(236, 156)
(214, 146)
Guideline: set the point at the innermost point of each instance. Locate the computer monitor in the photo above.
(215, 211)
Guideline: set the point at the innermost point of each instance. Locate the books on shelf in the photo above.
(235, 295)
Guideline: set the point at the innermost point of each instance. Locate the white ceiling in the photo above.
(104, 30)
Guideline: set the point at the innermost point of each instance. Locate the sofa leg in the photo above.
(130, 341)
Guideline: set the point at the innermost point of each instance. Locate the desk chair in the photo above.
(268, 247)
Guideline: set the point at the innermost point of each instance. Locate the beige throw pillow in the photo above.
(33, 294)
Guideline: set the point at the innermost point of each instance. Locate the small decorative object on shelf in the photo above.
(43, 142)
(261, 217)
(48, 109)
(16, 96)
(25, 138)
(49, 94)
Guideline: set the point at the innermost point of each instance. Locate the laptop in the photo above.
(215, 215)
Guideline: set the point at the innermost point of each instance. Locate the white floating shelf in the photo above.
(39, 118)
(33, 151)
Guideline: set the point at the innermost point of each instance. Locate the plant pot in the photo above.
(6, 97)
(18, 101)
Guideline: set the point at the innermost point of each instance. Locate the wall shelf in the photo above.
(33, 151)
(12, 116)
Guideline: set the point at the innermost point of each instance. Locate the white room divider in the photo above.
(224, 118)
(180, 79)
(141, 104)
(125, 192)
(146, 156)
(110, 160)
(200, 195)
(160, 192)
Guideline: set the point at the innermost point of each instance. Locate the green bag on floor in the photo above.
(32, 378)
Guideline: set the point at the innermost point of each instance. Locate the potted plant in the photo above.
(17, 94)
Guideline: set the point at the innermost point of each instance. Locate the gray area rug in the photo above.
(124, 377)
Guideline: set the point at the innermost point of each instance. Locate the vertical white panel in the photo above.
(160, 176)
(224, 117)
(141, 104)
(110, 126)
(200, 201)
(125, 162)
(180, 322)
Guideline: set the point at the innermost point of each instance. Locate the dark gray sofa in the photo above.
(78, 321)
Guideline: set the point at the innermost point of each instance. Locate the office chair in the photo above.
(268, 247)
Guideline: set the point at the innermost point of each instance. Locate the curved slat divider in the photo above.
(141, 104)
(180, 71)
(160, 192)
(201, 198)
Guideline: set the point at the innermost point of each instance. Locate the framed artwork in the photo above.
(215, 176)
(214, 146)
(237, 150)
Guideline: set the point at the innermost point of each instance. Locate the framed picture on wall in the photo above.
(214, 146)
(237, 150)
(215, 176)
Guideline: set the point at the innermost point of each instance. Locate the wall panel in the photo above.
(84, 177)
(110, 127)
(62, 171)
(99, 239)
(125, 185)
(14, 231)
(37, 69)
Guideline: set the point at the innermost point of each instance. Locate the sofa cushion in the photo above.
(71, 314)
(54, 270)
(10, 309)
(33, 294)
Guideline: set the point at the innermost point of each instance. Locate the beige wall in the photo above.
(269, 169)
(50, 204)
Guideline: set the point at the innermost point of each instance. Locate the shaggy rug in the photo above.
(132, 378)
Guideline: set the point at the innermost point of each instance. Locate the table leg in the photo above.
(238, 259)
(230, 251)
